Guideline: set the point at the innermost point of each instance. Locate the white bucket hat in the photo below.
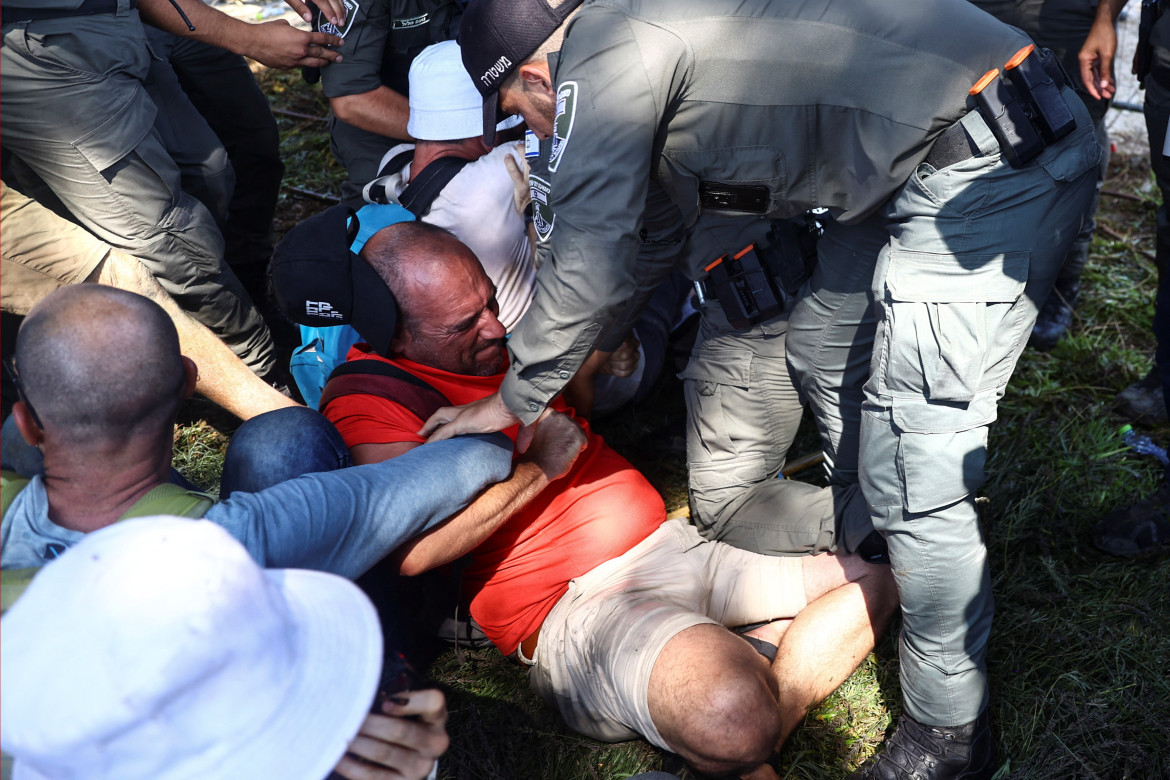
(157, 649)
(444, 103)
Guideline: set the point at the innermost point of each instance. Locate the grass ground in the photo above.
(1080, 650)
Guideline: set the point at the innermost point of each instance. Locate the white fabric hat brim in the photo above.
(340, 665)
(340, 662)
(449, 125)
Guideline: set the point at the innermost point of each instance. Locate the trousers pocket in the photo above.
(949, 318)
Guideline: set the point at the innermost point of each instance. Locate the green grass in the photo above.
(1079, 660)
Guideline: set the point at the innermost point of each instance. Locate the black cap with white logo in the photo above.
(495, 36)
(318, 281)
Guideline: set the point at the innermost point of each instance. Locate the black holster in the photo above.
(1025, 108)
(758, 282)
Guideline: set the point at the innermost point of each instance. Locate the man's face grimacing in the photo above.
(450, 317)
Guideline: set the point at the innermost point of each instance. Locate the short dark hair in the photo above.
(98, 363)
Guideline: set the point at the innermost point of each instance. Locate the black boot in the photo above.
(1142, 401)
(1056, 316)
(918, 752)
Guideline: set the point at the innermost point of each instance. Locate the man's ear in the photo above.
(400, 340)
(191, 373)
(29, 430)
(536, 77)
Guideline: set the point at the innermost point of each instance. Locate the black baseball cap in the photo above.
(318, 281)
(495, 36)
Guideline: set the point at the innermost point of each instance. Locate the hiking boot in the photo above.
(1142, 402)
(1055, 317)
(918, 752)
(1140, 530)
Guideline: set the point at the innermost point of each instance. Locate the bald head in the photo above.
(446, 300)
(413, 259)
(98, 363)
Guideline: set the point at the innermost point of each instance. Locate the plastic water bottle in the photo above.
(1142, 444)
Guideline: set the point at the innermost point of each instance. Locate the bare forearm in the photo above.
(1097, 52)
(1109, 10)
(211, 26)
(464, 531)
(274, 43)
(382, 111)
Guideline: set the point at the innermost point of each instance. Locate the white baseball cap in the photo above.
(157, 649)
(444, 103)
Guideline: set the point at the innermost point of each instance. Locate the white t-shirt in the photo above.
(476, 205)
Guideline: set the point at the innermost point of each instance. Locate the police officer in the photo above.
(369, 86)
(79, 114)
(745, 112)
(1062, 26)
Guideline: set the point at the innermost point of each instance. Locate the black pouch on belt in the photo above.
(757, 283)
(1037, 77)
(744, 288)
(1025, 109)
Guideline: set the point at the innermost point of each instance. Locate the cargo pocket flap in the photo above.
(721, 366)
(916, 414)
(965, 278)
(115, 138)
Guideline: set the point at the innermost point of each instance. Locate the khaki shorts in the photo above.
(40, 251)
(599, 643)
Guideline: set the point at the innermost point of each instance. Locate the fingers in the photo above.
(397, 745)
(521, 193)
(301, 10)
(277, 44)
(436, 422)
(334, 11)
(324, 39)
(1098, 83)
(524, 437)
(514, 171)
(317, 51)
(429, 705)
(486, 415)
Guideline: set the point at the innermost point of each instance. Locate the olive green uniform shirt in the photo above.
(831, 103)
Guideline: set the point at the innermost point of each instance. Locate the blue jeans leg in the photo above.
(278, 446)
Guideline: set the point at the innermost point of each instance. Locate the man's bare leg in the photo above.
(223, 377)
(850, 603)
(715, 701)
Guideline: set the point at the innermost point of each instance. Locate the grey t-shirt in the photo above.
(342, 522)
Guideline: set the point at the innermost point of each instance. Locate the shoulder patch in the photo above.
(563, 124)
(324, 25)
(542, 213)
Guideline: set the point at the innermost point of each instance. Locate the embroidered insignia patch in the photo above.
(328, 27)
(406, 24)
(531, 145)
(563, 124)
(542, 213)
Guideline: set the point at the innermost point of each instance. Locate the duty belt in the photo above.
(9, 15)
